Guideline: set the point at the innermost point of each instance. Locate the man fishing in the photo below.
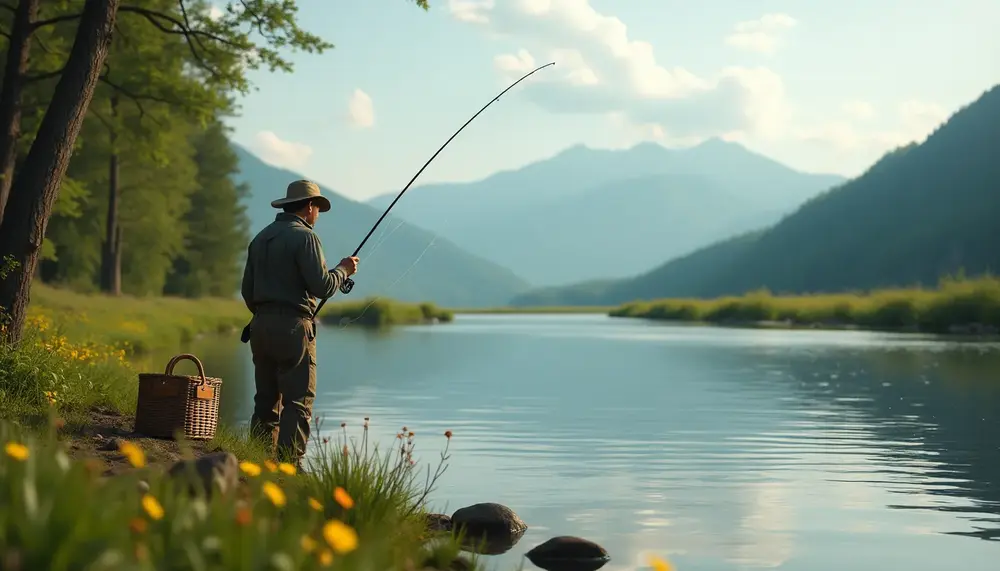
(284, 276)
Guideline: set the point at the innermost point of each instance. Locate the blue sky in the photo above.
(820, 85)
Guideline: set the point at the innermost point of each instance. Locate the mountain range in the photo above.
(400, 261)
(588, 214)
(922, 211)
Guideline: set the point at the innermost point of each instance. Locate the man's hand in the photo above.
(350, 265)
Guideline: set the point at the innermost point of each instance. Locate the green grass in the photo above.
(136, 324)
(956, 305)
(59, 514)
(375, 313)
(78, 349)
(556, 309)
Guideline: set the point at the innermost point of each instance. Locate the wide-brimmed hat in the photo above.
(301, 190)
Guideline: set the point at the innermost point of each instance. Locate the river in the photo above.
(722, 449)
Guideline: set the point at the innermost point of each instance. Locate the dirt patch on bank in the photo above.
(96, 435)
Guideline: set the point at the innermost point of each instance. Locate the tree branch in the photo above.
(42, 23)
(154, 18)
(45, 75)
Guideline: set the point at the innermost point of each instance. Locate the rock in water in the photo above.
(438, 522)
(490, 529)
(566, 553)
(219, 469)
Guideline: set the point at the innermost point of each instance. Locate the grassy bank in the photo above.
(360, 509)
(556, 309)
(135, 324)
(75, 356)
(956, 306)
(67, 394)
(371, 312)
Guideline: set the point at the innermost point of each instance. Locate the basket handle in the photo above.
(189, 357)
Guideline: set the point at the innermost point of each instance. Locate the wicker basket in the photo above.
(169, 403)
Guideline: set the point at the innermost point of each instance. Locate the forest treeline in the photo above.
(116, 173)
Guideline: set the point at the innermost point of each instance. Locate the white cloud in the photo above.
(517, 64)
(475, 11)
(360, 110)
(762, 35)
(915, 120)
(214, 12)
(600, 70)
(280, 153)
(861, 110)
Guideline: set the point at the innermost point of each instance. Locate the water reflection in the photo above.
(721, 449)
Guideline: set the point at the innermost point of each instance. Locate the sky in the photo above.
(819, 85)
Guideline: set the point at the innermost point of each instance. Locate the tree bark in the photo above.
(111, 259)
(36, 187)
(10, 95)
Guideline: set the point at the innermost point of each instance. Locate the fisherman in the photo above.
(285, 273)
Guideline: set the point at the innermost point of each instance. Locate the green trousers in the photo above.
(284, 358)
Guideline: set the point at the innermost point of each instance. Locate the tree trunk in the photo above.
(36, 187)
(10, 95)
(111, 259)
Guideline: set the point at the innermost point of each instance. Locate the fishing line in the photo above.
(345, 322)
(348, 284)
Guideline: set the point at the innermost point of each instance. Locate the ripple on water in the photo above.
(728, 449)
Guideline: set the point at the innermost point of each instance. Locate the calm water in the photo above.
(721, 449)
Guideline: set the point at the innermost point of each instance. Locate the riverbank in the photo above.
(67, 398)
(137, 325)
(377, 313)
(955, 307)
(556, 309)
(75, 362)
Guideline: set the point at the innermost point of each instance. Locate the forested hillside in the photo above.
(922, 211)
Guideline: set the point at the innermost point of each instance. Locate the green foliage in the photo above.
(957, 305)
(139, 325)
(216, 224)
(59, 514)
(373, 312)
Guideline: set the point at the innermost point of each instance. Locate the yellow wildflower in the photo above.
(308, 544)
(271, 466)
(135, 455)
(325, 558)
(341, 537)
(17, 451)
(274, 493)
(152, 507)
(250, 469)
(314, 504)
(287, 468)
(343, 498)
(659, 564)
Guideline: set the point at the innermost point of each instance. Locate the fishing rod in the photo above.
(348, 285)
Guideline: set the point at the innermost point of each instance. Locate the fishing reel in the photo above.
(347, 286)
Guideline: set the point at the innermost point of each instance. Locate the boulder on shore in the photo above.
(567, 553)
(438, 522)
(217, 470)
(489, 528)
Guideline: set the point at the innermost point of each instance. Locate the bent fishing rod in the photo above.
(348, 285)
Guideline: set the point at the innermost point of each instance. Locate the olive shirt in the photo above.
(285, 267)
